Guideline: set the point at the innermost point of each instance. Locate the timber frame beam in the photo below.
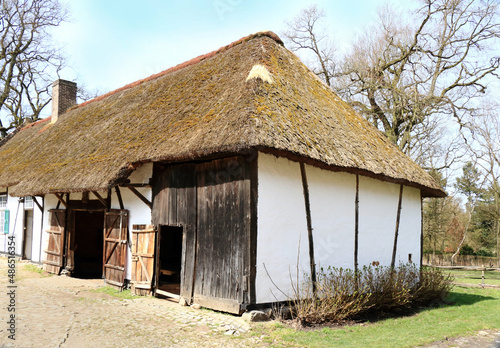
(305, 188)
(396, 232)
(99, 197)
(119, 195)
(61, 199)
(37, 204)
(140, 196)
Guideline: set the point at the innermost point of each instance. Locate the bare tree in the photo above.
(486, 150)
(399, 75)
(28, 62)
(305, 33)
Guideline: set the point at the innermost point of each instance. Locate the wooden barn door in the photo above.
(54, 258)
(143, 258)
(115, 246)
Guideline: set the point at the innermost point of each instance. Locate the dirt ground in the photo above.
(58, 311)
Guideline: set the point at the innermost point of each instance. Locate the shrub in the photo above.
(389, 288)
(336, 299)
(466, 249)
(434, 284)
(342, 294)
(484, 253)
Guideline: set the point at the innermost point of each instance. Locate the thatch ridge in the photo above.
(186, 64)
(199, 109)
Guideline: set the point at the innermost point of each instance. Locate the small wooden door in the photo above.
(115, 246)
(55, 247)
(143, 256)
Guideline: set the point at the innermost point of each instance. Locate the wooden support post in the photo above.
(119, 195)
(109, 200)
(309, 225)
(398, 216)
(37, 204)
(61, 199)
(99, 197)
(85, 197)
(356, 225)
(140, 196)
(421, 229)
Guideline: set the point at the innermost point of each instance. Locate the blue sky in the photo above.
(110, 43)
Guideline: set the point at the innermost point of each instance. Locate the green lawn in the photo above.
(474, 277)
(473, 309)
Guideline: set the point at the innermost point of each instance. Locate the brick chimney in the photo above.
(63, 97)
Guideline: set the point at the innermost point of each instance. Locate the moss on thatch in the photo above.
(200, 108)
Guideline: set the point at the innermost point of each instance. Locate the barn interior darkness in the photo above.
(88, 244)
(170, 259)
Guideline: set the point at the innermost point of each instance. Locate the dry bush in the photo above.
(336, 298)
(433, 286)
(342, 294)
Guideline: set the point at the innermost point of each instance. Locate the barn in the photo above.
(214, 182)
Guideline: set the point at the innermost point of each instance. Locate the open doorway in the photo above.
(28, 234)
(170, 256)
(89, 244)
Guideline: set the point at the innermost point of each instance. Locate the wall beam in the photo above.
(99, 197)
(119, 195)
(356, 225)
(396, 232)
(140, 196)
(61, 199)
(309, 225)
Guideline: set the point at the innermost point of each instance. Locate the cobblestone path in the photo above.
(68, 312)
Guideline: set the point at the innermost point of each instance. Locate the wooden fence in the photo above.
(460, 260)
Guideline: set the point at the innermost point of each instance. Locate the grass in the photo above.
(474, 277)
(472, 310)
(36, 269)
(122, 295)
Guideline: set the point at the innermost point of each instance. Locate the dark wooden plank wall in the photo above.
(212, 201)
(174, 204)
(223, 255)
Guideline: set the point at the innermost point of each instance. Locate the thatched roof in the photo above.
(253, 93)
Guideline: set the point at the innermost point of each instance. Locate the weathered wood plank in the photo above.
(54, 256)
(115, 227)
(221, 304)
(252, 251)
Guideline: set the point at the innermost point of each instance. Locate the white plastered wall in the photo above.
(16, 228)
(36, 245)
(281, 223)
(410, 227)
(332, 197)
(378, 205)
(282, 244)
